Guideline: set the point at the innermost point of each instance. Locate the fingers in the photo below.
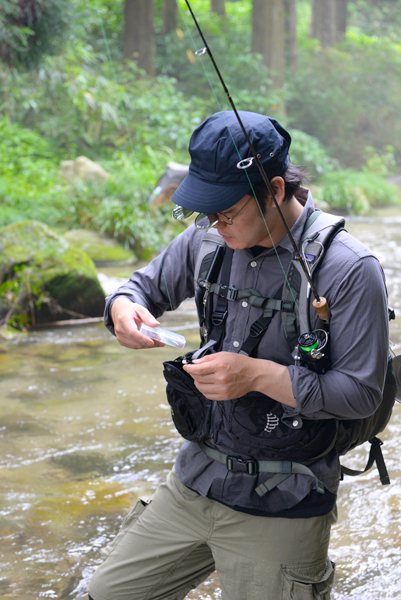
(127, 317)
(211, 364)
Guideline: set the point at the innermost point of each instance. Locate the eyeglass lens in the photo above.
(180, 213)
(204, 221)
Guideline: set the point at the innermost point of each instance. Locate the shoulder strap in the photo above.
(210, 241)
(207, 268)
(319, 231)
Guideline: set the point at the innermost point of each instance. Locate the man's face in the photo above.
(249, 228)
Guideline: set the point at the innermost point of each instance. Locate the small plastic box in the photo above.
(163, 335)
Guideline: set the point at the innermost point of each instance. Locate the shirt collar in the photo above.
(305, 197)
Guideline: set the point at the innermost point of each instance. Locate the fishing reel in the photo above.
(312, 351)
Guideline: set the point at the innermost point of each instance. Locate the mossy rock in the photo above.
(67, 275)
(101, 248)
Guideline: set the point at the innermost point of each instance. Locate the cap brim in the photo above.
(203, 197)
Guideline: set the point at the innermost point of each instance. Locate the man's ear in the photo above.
(278, 186)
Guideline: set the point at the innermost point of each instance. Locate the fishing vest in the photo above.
(199, 419)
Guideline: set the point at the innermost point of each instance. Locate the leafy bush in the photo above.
(31, 28)
(355, 192)
(29, 185)
(381, 164)
(308, 152)
(30, 188)
(120, 209)
(84, 103)
(346, 98)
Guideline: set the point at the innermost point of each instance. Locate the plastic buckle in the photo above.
(218, 317)
(236, 464)
(257, 329)
(287, 306)
(228, 292)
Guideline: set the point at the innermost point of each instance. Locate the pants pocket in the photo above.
(308, 582)
(129, 520)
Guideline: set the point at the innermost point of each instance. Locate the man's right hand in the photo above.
(127, 317)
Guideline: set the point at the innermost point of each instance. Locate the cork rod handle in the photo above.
(322, 309)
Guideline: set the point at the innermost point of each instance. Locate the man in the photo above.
(254, 497)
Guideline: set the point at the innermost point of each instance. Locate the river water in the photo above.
(85, 429)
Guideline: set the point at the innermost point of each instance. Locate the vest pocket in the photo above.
(312, 582)
(190, 410)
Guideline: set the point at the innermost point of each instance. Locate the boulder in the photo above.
(100, 247)
(82, 168)
(63, 276)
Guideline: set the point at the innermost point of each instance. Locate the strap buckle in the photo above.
(287, 306)
(235, 464)
(228, 292)
(257, 329)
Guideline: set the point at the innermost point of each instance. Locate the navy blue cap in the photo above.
(214, 182)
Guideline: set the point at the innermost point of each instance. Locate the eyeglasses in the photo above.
(206, 220)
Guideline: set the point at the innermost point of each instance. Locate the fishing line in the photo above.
(199, 54)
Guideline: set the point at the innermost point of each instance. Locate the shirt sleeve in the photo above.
(166, 281)
(359, 345)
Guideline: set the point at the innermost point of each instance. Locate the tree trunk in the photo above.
(290, 7)
(268, 36)
(169, 15)
(328, 22)
(341, 19)
(219, 7)
(138, 33)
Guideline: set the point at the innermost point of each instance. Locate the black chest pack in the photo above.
(192, 413)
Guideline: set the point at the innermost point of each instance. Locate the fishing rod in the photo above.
(319, 303)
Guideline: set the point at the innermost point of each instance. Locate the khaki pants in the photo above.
(169, 546)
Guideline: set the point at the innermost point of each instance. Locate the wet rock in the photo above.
(83, 462)
(43, 277)
(82, 168)
(101, 248)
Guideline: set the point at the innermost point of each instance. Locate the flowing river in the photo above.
(85, 429)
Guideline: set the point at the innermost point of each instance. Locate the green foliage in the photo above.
(344, 103)
(230, 41)
(345, 97)
(380, 164)
(29, 186)
(82, 101)
(119, 208)
(308, 152)
(31, 189)
(30, 29)
(379, 18)
(356, 192)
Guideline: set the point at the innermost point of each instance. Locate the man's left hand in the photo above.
(224, 375)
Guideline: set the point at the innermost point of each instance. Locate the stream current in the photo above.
(85, 429)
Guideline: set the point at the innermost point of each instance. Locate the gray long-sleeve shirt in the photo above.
(351, 279)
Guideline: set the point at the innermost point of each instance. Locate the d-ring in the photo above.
(200, 52)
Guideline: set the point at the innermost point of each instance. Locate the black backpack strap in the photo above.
(217, 319)
(375, 456)
(258, 328)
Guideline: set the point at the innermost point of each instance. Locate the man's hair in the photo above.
(293, 178)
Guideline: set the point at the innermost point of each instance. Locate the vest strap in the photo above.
(375, 456)
(282, 469)
(253, 297)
